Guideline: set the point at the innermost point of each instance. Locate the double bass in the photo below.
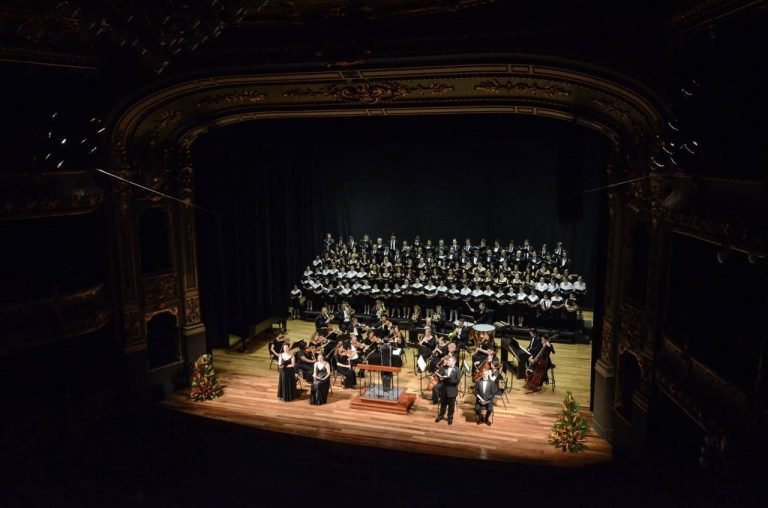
(539, 364)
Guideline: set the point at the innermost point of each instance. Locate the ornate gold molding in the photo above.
(33, 323)
(245, 97)
(48, 195)
(160, 289)
(495, 87)
(369, 92)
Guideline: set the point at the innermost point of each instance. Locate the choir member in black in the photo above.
(295, 302)
(344, 366)
(483, 315)
(286, 383)
(276, 346)
(449, 379)
(306, 362)
(485, 391)
(320, 381)
(329, 242)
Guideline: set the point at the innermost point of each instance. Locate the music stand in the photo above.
(422, 367)
(465, 368)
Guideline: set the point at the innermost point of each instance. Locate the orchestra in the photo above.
(447, 294)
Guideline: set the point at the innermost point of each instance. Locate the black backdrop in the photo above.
(279, 186)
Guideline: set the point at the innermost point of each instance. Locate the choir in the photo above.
(518, 283)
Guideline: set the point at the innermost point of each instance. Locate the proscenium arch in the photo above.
(152, 137)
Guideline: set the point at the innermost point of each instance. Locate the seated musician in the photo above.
(437, 354)
(485, 349)
(276, 346)
(485, 391)
(305, 362)
(344, 366)
(540, 344)
(322, 321)
(427, 344)
(398, 347)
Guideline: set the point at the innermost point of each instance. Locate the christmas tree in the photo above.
(570, 430)
(205, 386)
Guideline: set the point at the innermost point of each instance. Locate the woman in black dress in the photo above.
(286, 384)
(344, 366)
(320, 381)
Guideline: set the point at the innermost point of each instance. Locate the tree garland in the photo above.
(569, 430)
(205, 385)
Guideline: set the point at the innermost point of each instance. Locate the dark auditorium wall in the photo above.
(282, 185)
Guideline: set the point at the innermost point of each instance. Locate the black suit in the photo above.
(486, 390)
(448, 391)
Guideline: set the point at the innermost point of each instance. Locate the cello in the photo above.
(539, 364)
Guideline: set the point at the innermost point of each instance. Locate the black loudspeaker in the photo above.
(570, 175)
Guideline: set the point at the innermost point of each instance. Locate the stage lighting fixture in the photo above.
(63, 141)
(666, 149)
(722, 253)
(656, 163)
(58, 166)
(101, 130)
(672, 126)
(673, 161)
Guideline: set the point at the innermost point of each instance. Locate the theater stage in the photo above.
(519, 432)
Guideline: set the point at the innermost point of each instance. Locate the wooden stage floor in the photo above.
(519, 432)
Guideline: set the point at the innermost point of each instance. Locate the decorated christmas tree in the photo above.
(205, 385)
(570, 430)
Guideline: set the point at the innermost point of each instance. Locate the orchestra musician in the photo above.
(482, 316)
(483, 352)
(427, 344)
(537, 344)
(322, 321)
(276, 346)
(286, 384)
(320, 381)
(306, 362)
(449, 381)
(344, 366)
(485, 391)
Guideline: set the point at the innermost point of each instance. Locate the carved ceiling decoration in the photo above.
(547, 90)
(369, 92)
(696, 15)
(554, 88)
(285, 12)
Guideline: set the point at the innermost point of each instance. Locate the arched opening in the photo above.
(162, 340)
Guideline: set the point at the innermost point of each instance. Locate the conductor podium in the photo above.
(381, 391)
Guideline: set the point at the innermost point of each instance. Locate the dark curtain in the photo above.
(279, 186)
